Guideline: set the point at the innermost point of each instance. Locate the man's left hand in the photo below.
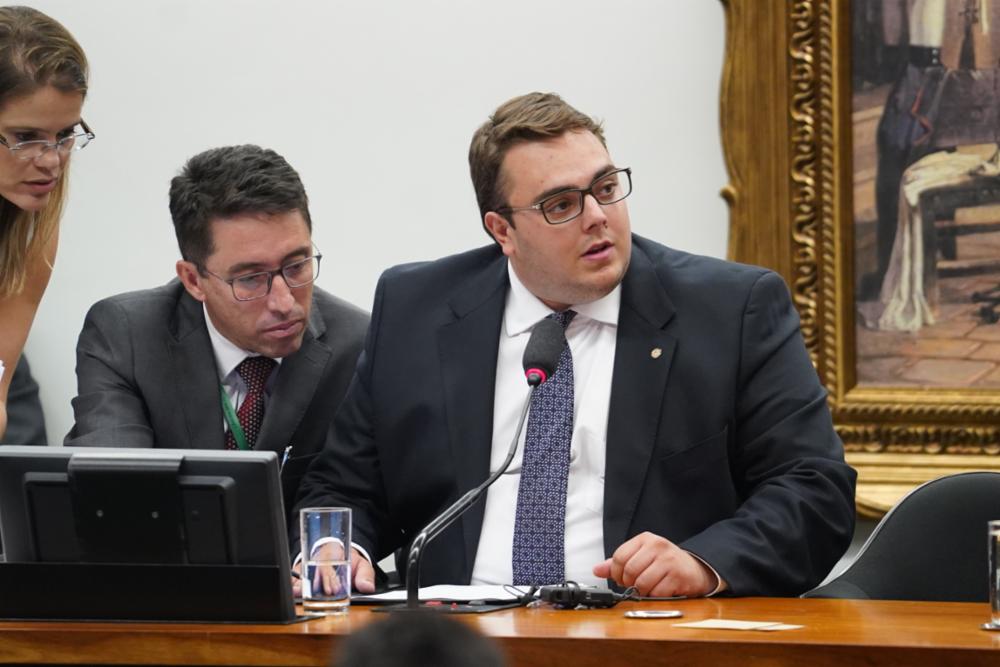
(657, 567)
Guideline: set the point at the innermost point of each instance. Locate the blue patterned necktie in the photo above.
(538, 554)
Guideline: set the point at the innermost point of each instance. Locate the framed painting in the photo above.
(861, 142)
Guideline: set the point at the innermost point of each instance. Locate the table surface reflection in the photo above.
(835, 632)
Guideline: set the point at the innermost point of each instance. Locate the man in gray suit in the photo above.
(241, 351)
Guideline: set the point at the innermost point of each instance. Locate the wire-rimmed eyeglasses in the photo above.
(568, 204)
(36, 148)
(257, 285)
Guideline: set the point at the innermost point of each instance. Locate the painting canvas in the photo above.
(861, 142)
(925, 92)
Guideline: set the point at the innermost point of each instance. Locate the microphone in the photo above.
(541, 356)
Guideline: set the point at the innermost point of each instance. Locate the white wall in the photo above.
(374, 103)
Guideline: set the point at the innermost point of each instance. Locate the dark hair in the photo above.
(226, 182)
(417, 640)
(531, 117)
(35, 51)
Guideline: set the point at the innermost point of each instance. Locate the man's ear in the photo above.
(501, 228)
(191, 278)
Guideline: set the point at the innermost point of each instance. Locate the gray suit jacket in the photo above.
(146, 377)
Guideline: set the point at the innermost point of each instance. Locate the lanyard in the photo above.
(232, 420)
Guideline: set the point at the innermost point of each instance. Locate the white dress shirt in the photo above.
(592, 337)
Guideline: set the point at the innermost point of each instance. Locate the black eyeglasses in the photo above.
(36, 148)
(568, 204)
(258, 285)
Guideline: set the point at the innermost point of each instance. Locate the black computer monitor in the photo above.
(155, 514)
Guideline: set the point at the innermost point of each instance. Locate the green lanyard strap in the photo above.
(233, 420)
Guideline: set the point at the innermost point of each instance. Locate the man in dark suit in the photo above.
(242, 351)
(689, 449)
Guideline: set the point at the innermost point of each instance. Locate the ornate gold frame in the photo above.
(786, 133)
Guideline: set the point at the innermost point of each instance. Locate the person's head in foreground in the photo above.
(426, 639)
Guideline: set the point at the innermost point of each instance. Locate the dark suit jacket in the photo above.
(146, 377)
(723, 443)
(25, 418)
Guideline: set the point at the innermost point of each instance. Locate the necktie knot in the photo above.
(255, 371)
(563, 318)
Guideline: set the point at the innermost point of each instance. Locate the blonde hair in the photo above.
(35, 51)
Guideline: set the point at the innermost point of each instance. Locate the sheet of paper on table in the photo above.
(726, 624)
(447, 593)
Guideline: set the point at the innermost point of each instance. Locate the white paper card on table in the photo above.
(448, 593)
(727, 624)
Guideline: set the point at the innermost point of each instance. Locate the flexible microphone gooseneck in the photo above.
(541, 356)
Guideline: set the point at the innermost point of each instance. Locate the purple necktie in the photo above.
(254, 371)
(538, 555)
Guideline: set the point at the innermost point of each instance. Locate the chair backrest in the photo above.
(931, 546)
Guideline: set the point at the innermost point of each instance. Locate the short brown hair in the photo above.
(226, 182)
(531, 117)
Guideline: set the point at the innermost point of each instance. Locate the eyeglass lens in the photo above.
(32, 150)
(565, 206)
(257, 285)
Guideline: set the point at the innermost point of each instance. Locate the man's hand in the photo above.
(362, 573)
(657, 567)
(297, 579)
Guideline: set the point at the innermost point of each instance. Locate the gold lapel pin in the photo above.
(655, 353)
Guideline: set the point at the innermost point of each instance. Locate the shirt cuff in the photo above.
(327, 540)
(720, 584)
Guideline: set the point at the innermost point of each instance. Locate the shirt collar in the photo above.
(227, 354)
(523, 309)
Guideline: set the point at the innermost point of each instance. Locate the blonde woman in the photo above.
(43, 82)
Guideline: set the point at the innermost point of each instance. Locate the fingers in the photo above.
(297, 580)
(328, 578)
(655, 566)
(623, 555)
(326, 573)
(603, 569)
(637, 569)
(324, 577)
(620, 559)
(364, 573)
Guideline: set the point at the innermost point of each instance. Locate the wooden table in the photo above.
(836, 633)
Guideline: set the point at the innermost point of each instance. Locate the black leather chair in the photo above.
(931, 546)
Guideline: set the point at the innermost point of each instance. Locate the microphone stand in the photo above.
(446, 518)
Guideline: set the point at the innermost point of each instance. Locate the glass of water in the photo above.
(326, 559)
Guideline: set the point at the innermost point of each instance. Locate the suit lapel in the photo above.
(468, 351)
(195, 379)
(294, 388)
(643, 358)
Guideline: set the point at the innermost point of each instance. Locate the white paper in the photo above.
(1, 369)
(725, 624)
(447, 593)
